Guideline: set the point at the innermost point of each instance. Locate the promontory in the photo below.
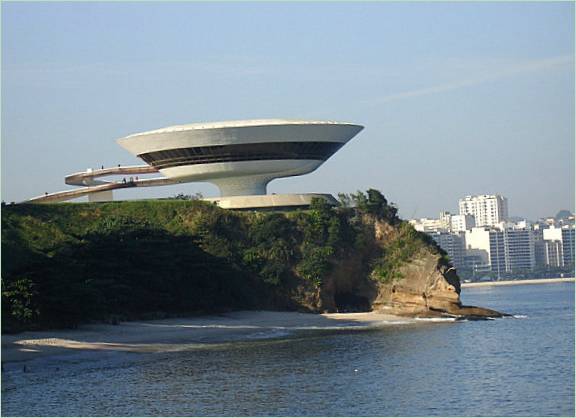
(71, 263)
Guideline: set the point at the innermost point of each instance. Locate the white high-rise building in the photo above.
(486, 246)
(461, 223)
(503, 250)
(520, 251)
(559, 246)
(488, 210)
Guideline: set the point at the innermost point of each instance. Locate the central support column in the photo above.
(242, 186)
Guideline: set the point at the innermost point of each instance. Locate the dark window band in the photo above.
(241, 152)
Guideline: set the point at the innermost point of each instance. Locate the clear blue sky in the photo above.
(456, 98)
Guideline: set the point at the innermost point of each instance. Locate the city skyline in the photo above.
(482, 240)
(501, 213)
(457, 98)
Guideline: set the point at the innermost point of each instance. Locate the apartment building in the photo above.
(461, 223)
(506, 249)
(558, 246)
(453, 244)
(488, 210)
(446, 222)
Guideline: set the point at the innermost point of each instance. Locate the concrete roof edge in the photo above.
(241, 124)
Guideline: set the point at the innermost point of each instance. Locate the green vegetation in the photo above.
(65, 264)
(406, 245)
(372, 203)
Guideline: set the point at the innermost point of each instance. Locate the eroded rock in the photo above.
(428, 286)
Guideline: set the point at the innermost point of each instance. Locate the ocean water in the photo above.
(521, 366)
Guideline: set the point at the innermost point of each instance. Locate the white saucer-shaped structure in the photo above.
(240, 157)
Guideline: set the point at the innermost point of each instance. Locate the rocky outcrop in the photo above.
(424, 286)
(427, 286)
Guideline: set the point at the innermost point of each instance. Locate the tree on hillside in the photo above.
(373, 203)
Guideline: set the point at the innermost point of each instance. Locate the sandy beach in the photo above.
(181, 333)
(177, 334)
(518, 282)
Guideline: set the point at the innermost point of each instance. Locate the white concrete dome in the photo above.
(240, 157)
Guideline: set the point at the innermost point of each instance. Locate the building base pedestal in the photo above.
(270, 201)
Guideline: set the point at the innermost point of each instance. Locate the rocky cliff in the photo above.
(428, 288)
(426, 285)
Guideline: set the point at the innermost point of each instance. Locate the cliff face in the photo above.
(426, 285)
(429, 288)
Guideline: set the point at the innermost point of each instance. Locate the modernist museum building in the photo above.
(240, 157)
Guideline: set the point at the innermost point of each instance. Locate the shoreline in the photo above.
(189, 333)
(179, 334)
(517, 282)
